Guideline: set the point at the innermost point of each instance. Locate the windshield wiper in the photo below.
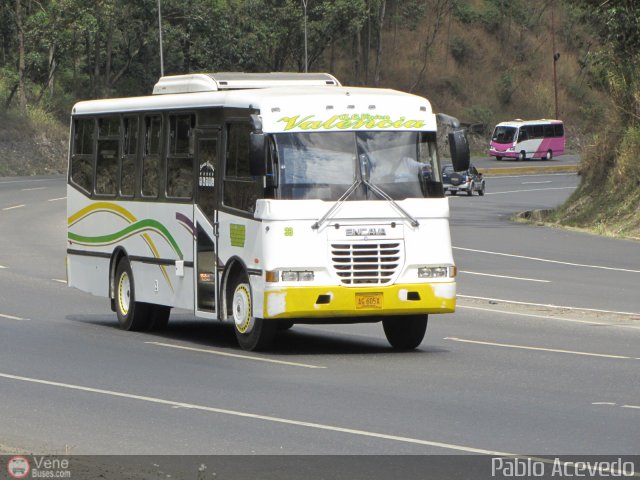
(339, 202)
(378, 191)
(382, 194)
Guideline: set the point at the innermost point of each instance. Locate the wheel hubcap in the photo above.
(241, 307)
(124, 293)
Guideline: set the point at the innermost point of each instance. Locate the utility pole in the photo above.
(306, 58)
(556, 56)
(160, 34)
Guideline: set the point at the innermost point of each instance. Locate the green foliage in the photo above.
(504, 88)
(480, 114)
(461, 50)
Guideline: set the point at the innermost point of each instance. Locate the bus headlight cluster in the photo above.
(290, 276)
(297, 276)
(437, 272)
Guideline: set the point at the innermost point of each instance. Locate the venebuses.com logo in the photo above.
(18, 467)
(38, 467)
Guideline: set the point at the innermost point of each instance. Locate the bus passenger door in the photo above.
(206, 222)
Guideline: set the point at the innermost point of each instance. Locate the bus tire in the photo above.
(405, 332)
(522, 156)
(252, 333)
(548, 155)
(158, 317)
(132, 315)
(284, 325)
(498, 158)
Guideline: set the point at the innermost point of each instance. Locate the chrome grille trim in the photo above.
(365, 263)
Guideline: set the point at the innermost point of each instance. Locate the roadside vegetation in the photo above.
(484, 61)
(607, 201)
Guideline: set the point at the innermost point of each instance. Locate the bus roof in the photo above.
(521, 123)
(319, 103)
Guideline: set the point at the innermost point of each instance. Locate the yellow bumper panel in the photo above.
(338, 301)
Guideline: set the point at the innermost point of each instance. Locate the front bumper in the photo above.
(340, 301)
(463, 187)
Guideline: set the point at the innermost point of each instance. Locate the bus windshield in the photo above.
(504, 134)
(324, 165)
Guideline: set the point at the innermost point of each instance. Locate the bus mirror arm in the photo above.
(459, 148)
(257, 163)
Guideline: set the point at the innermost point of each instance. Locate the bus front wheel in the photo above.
(405, 332)
(132, 315)
(252, 333)
(522, 156)
(548, 155)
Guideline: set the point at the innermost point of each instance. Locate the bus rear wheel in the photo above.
(252, 333)
(548, 155)
(522, 156)
(405, 332)
(132, 315)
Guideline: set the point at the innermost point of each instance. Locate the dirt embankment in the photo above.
(31, 146)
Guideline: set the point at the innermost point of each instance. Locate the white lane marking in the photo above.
(531, 190)
(59, 280)
(56, 199)
(540, 349)
(546, 260)
(500, 177)
(254, 416)
(536, 183)
(13, 208)
(234, 355)
(505, 276)
(11, 317)
(546, 317)
(613, 404)
(2, 266)
(34, 180)
(32, 188)
(548, 305)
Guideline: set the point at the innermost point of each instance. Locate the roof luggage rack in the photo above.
(212, 82)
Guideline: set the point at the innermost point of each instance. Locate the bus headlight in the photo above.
(297, 276)
(444, 271)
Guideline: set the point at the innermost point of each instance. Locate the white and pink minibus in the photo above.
(522, 139)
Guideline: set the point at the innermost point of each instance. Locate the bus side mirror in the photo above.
(459, 148)
(257, 164)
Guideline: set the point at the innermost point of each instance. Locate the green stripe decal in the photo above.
(137, 227)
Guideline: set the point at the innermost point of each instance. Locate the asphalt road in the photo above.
(486, 161)
(495, 377)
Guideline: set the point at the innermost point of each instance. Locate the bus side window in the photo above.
(548, 131)
(538, 131)
(558, 130)
(151, 158)
(107, 168)
(108, 155)
(522, 136)
(239, 190)
(180, 159)
(129, 156)
(81, 168)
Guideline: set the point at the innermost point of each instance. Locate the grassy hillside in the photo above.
(32, 144)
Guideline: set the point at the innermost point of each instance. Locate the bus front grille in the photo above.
(366, 263)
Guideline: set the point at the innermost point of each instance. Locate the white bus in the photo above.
(262, 200)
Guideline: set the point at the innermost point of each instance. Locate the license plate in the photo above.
(368, 301)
